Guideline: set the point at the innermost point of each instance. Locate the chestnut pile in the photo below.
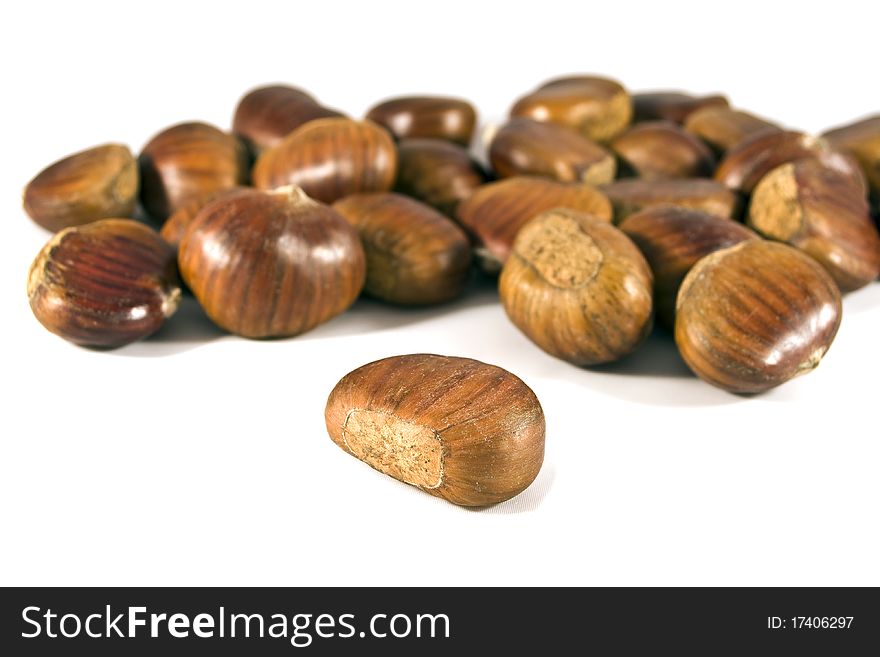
(597, 209)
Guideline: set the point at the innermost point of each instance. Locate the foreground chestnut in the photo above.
(661, 149)
(329, 159)
(673, 239)
(723, 127)
(271, 264)
(175, 226)
(467, 432)
(630, 196)
(824, 213)
(578, 288)
(426, 117)
(495, 212)
(97, 183)
(415, 255)
(672, 105)
(598, 108)
(862, 140)
(266, 115)
(754, 315)
(527, 147)
(104, 284)
(187, 161)
(437, 172)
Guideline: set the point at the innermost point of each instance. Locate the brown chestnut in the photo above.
(266, 115)
(824, 213)
(672, 105)
(577, 287)
(467, 432)
(426, 117)
(723, 127)
(187, 161)
(524, 147)
(660, 150)
(329, 159)
(862, 140)
(629, 196)
(437, 172)
(673, 239)
(495, 212)
(754, 315)
(598, 108)
(415, 255)
(97, 183)
(175, 226)
(271, 264)
(104, 284)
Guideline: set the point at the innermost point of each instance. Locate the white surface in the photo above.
(200, 458)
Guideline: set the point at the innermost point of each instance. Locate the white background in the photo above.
(201, 458)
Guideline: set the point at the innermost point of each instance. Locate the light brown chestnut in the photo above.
(415, 255)
(329, 159)
(824, 213)
(656, 150)
(673, 239)
(266, 115)
(97, 183)
(271, 264)
(467, 432)
(495, 212)
(533, 148)
(672, 105)
(630, 196)
(175, 226)
(578, 288)
(187, 161)
(754, 315)
(437, 172)
(598, 108)
(104, 284)
(723, 128)
(862, 140)
(426, 117)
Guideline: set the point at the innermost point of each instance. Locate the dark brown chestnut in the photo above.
(577, 287)
(656, 150)
(495, 212)
(104, 284)
(97, 183)
(862, 140)
(754, 315)
(673, 239)
(824, 213)
(271, 264)
(523, 147)
(187, 161)
(415, 255)
(437, 172)
(672, 105)
(266, 115)
(629, 196)
(329, 159)
(426, 117)
(723, 128)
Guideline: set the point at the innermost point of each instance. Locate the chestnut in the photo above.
(175, 226)
(862, 140)
(426, 117)
(329, 159)
(186, 161)
(598, 108)
(266, 115)
(821, 211)
(527, 147)
(577, 287)
(496, 211)
(661, 149)
(437, 172)
(415, 255)
(754, 315)
(467, 432)
(673, 239)
(97, 183)
(104, 284)
(672, 105)
(629, 196)
(271, 264)
(723, 127)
